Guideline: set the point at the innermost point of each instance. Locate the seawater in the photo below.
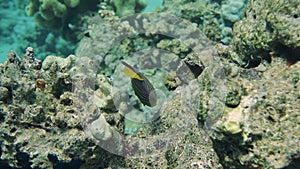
(18, 25)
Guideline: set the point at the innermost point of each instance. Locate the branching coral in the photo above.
(59, 14)
(48, 13)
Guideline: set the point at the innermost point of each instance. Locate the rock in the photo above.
(263, 123)
(100, 129)
(263, 33)
(62, 63)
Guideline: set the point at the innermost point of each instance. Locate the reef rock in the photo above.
(263, 33)
(40, 126)
(63, 114)
(257, 123)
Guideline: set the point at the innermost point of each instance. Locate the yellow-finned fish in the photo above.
(142, 87)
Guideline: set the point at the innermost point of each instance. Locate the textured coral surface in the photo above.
(270, 28)
(260, 119)
(43, 124)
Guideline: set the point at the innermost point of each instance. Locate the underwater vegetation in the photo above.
(196, 84)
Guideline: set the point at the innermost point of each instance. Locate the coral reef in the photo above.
(51, 12)
(214, 18)
(155, 144)
(269, 29)
(54, 13)
(43, 124)
(259, 123)
(65, 17)
(217, 106)
(40, 126)
(189, 150)
(233, 10)
(111, 39)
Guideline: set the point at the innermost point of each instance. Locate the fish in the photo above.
(142, 87)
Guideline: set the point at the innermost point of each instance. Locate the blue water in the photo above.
(18, 31)
(152, 5)
(14, 27)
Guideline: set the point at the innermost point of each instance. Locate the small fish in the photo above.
(142, 87)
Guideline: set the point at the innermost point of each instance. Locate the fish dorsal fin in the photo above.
(131, 72)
